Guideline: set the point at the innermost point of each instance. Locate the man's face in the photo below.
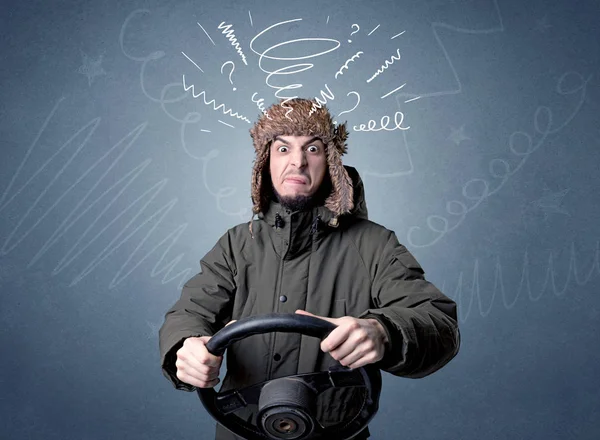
(298, 165)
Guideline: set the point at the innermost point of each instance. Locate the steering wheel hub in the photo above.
(286, 409)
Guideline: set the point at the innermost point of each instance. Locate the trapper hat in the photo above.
(301, 117)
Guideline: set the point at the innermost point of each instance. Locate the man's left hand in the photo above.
(355, 342)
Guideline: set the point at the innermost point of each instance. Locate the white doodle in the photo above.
(397, 35)
(225, 123)
(226, 111)
(509, 300)
(190, 118)
(320, 102)
(549, 203)
(211, 40)
(357, 29)
(261, 105)
(385, 120)
(80, 209)
(385, 66)
(395, 90)
(230, 73)
(500, 168)
(287, 70)
(193, 62)
(412, 99)
(353, 108)
(228, 32)
(345, 66)
(458, 135)
(250, 15)
(91, 67)
(376, 27)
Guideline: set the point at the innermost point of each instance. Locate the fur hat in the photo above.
(302, 117)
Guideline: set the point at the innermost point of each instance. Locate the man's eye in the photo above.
(282, 149)
(313, 148)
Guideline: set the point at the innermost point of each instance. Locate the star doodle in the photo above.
(550, 202)
(154, 328)
(91, 67)
(458, 135)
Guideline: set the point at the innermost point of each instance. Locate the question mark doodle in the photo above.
(357, 29)
(352, 109)
(230, 73)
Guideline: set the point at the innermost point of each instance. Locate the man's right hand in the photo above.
(195, 365)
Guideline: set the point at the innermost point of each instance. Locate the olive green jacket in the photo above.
(296, 261)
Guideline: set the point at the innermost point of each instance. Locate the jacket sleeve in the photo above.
(420, 320)
(203, 308)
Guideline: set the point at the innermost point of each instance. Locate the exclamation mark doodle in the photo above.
(357, 29)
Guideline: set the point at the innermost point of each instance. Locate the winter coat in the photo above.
(296, 261)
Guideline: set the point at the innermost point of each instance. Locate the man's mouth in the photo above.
(296, 180)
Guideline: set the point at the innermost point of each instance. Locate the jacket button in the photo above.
(277, 356)
(283, 298)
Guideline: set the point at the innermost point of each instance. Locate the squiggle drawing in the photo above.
(385, 66)
(465, 305)
(500, 168)
(320, 102)
(231, 37)
(212, 102)
(345, 66)
(287, 70)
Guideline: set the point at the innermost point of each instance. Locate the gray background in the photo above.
(115, 182)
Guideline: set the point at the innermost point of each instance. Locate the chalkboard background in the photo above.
(115, 181)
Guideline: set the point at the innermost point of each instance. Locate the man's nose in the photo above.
(299, 159)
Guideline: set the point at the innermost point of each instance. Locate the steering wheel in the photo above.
(286, 406)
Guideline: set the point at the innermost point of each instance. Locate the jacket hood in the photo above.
(325, 215)
(302, 117)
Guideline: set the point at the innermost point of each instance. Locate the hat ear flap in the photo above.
(340, 137)
(259, 197)
(341, 200)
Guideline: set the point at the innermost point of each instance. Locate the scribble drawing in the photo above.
(91, 67)
(345, 66)
(231, 37)
(572, 273)
(213, 103)
(84, 205)
(386, 65)
(322, 101)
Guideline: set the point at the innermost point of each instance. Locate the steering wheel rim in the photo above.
(222, 405)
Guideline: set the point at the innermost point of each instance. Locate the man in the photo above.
(310, 250)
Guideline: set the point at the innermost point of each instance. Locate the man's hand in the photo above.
(195, 365)
(355, 342)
